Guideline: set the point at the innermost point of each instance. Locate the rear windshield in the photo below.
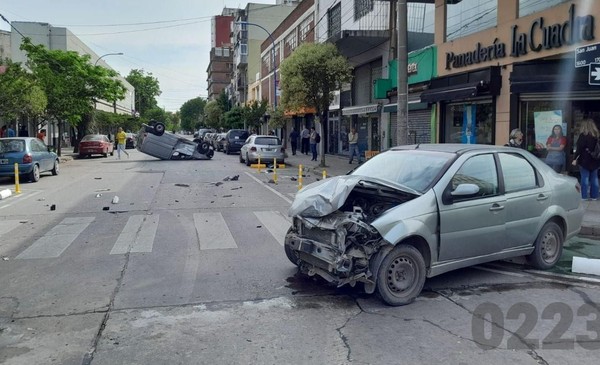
(95, 137)
(12, 145)
(267, 141)
(239, 134)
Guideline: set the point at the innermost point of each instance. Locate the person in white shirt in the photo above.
(353, 143)
(304, 147)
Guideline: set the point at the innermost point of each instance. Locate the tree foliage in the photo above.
(224, 102)
(254, 113)
(234, 119)
(212, 114)
(20, 93)
(147, 88)
(277, 119)
(192, 112)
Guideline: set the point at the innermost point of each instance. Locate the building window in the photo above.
(243, 49)
(469, 123)
(334, 20)
(527, 7)
(362, 8)
(218, 51)
(291, 41)
(470, 16)
(305, 27)
(226, 52)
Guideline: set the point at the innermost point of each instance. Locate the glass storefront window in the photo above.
(470, 16)
(527, 7)
(470, 123)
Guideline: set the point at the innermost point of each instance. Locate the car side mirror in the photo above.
(461, 191)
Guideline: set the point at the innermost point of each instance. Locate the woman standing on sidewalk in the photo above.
(588, 166)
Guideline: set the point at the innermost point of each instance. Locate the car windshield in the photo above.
(267, 141)
(12, 145)
(411, 168)
(94, 137)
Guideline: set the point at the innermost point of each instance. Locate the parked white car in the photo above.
(268, 148)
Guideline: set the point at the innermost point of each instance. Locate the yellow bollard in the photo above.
(259, 164)
(324, 174)
(17, 185)
(299, 177)
(275, 170)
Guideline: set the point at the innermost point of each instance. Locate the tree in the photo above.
(233, 119)
(21, 93)
(310, 76)
(156, 114)
(212, 114)
(192, 112)
(224, 102)
(254, 113)
(147, 88)
(72, 84)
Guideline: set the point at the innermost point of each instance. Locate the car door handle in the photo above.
(496, 207)
(541, 197)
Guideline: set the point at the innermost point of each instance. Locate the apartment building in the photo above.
(220, 66)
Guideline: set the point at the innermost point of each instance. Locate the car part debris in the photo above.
(183, 185)
(53, 207)
(98, 195)
(105, 208)
(115, 200)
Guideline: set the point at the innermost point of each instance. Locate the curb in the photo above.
(590, 231)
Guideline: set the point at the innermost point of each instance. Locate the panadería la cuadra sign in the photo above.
(539, 37)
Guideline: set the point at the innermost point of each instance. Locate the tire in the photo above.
(401, 275)
(241, 158)
(112, 153)
(291, 255)
(247, 160)
(34, 175)
(226, 150)
(159, 129)
(548, 247)
(203, 148)
(210, 154)
(55, 169)
(105, 154)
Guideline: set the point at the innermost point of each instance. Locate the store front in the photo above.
(366, 120)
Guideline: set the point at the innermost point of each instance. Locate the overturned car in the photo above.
(419, 211)
(153, 140)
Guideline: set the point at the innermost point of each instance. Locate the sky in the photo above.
(169, 38)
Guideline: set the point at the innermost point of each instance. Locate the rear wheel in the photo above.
(247, 160)
(203, 148)
(548, 247)
(401, 276)
(55, 169)
(241, 158)
(34, 175)
(226, 150)
(159, 129)
(105, 154)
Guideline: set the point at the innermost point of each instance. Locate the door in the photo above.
(363, 134)
(473, 225)
(375, 146)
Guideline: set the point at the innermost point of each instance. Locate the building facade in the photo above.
(5, 45)
(525, 64)
(220, 65)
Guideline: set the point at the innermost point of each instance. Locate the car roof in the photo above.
(456, 148)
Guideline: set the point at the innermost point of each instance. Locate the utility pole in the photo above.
(402, 52)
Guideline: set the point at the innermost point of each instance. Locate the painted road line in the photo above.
(276, 223)
(7, 226)
(127, 237)
(56, 241)
(145, 239)
(213, 232)
(270, 188)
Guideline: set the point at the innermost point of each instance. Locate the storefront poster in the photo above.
(544, 122)
(468, 135)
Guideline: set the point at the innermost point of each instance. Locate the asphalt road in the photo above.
(187, 268)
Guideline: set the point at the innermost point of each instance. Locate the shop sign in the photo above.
(594, 77)
(539, 37)
(586, 55)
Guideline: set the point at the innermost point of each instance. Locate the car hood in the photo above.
(326, 196)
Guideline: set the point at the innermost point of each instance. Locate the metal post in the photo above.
(299, 177)
(275, 170)
(17, 185)
(402, 122)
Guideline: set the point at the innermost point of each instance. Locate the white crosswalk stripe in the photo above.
(56, 241)
(276, 223)
(137, 235)
(213, 232)
(7, 226)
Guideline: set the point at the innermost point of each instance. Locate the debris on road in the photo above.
(293, 178)
(100, 190)
(239, 187)
(5, 194)
(227, 196)
(4, 258)
(98, 195)
(41, 199)
(235, 178)
(53, 207)
(106, 208)
(218, 183)
(97, 178)
(271, 181)
(183, 185)
(115, 200)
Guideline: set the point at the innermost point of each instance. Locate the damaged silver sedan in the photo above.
(415, 212)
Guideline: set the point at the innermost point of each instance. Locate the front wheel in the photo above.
(548, 247)
(55, 169)
(159, 129)
(401, 276)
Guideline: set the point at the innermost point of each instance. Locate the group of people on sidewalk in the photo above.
(587, 142)
(309, 140)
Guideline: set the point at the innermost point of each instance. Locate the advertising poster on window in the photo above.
(468, 135)
(544, 125)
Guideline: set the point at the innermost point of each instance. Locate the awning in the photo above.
(362, 109)
(300, 111)
(454, 92)
(412, 105)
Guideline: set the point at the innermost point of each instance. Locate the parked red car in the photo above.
(95, 144)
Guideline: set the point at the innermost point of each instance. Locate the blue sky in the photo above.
(170, 39)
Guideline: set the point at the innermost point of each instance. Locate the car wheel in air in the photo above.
(203, 148)
(247, 160)
(55, 169)
(547, 248)
(159, 129)
(34, 175)
(401, 275)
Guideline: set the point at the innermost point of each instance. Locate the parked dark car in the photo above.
(95, 144)
(234, 140)
(32, 155)
(414, 212)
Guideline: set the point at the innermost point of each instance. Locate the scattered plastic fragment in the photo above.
(115, 200)
(53, 207)
(98, 195)
(183, 185)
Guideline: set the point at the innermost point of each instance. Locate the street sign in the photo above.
(594, 76)
(587, 54)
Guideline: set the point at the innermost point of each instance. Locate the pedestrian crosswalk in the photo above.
(138, 234)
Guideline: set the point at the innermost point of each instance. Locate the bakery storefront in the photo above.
(536, 73)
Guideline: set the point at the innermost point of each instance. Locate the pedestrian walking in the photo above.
(10, 132)
(121, 138)
(353, 145)
(313, 137)
(294, 140)
(305, 140)
(588, 166)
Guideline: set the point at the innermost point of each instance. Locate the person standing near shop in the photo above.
(121, 138)
(305, 140)
(515, 139)
(555, 145)
(313, 143)
(294, 140)
(353, 146)
(10, 132)
(588, 166)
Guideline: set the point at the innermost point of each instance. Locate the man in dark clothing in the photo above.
(294, 140)
(23, 132)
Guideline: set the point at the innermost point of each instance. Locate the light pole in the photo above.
(108, 54)
(274, 63)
